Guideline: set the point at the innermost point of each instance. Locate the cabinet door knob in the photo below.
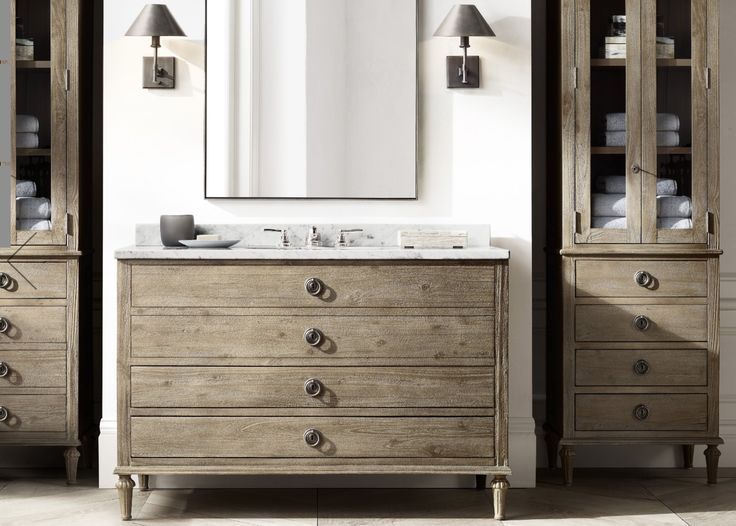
(313, 286)
(4, 369)
(3, 414)
(313, 387)
(312, 437)
(641, 412)
(313, 337)
(636, 169)
(4, 280)
(643, 278)
(641, 323)
(641, 367)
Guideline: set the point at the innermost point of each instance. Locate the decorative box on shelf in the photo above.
(615, 47)
(24, 49)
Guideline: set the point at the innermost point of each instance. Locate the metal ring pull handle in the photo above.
(313, 337)
(313, 286)
(643, 278)
(4, 325)
(5, 280)
(641, 323)
(641, 412)
(313, 387)
(3, 414)
(312, 437)
(4, 369)
(636, 169)
(641, 367)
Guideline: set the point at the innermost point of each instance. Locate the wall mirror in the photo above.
(311, 99)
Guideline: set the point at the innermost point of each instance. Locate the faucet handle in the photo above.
(284, 235)
(342, 239)
(314, 239)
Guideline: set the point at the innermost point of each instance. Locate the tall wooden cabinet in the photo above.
(634, 358)
(39, 272)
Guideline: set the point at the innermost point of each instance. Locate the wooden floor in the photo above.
(646, 498)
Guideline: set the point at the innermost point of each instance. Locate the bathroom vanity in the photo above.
(312, 361)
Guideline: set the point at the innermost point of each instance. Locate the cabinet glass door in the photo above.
(674, 121)
(608, 122)
(39, 189)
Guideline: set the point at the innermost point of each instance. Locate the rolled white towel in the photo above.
(665, 122)
(25, 188)
(674, 223)
(609, 205)
(32, 208)
(26, 140)
(26, 124)
(616, 184)
(664, 138)
(677, 206)
(609, 222)
(33, 224)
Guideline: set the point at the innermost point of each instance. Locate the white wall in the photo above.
(474, 167)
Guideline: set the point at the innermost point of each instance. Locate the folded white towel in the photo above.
(26, 140)
(665, 122)
(32, 208)
(33, 224)
(674, 223)
(609, 205)
(25, 188)
(664, 138)
(616, 184)
(674, 206)
(609, 222)
(26, 124)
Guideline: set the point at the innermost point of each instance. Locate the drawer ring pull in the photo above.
(643, 278)
(641, 412)
(4, 369)
(3, 414)
(313, 387)
(5, 280)
(4, 325)
(313, 337)
(312, 437)
(313, 286)
(641, 367)
(641, 323)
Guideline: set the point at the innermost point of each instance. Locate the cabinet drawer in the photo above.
(32, 369)
(385, 339)
(207, 387)
(282, 285)
(36, 413)
(664, 323)
(641, 367)
(641, 412)
(658, 278)
(266, 437)
(33, 325)
(31, 280)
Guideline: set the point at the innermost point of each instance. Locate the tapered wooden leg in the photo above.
(125, 487)
(553, 444)
(480, 482)
(567, 455)
(499, 487)
(712, 454)
(688, 453)
(71, 460)
(143, 483)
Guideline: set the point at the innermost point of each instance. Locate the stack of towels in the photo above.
(31, 212)
(668, 129)
(26, 131)
(674, 212)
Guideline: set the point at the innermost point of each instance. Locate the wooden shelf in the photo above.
(620, 150)
(33, 152)
(33, 64)
(685, 150)
(621, 62)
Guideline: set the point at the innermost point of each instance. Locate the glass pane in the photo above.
(33, 115)
(674, 115)
(608, 114)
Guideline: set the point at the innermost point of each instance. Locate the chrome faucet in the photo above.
(284, 242)
(342, 239)
(314, 239)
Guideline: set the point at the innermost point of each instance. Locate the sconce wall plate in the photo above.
(166, 75)
(455, 75)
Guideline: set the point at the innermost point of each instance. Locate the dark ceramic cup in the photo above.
(174, 228)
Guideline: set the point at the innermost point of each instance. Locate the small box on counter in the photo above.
(433, 239)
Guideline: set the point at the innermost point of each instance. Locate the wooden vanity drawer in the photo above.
(664, 323)
(33, 280)
(641, 412)
(342, 285)
(357, 339)
(286, 387)
(284, 437)
(32, 369)
(33, 324)
(630, 367)
(33, 413)
(618, 278)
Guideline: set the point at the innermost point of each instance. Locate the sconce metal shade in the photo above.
(464, 20)
(155, 20)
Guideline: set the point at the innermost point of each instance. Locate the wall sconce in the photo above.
(156, 21)
(464, 21)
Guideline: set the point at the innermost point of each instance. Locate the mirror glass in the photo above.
(311, 99)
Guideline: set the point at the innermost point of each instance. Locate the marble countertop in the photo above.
(322, 253)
